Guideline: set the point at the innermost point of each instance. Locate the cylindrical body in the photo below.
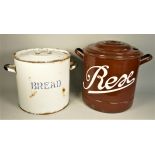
(110, 74)
(42, 79)
(43, 87)
(109, 85)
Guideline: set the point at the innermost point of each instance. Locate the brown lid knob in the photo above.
(113, 49)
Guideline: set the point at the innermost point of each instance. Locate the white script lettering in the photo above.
(108, 85)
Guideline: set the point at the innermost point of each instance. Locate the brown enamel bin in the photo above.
(110, 74)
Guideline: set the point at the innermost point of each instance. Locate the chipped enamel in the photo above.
(41, 85)
(42, 55)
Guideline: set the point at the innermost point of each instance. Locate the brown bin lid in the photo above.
(113, 49)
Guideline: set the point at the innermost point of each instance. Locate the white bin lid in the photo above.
(42, 55)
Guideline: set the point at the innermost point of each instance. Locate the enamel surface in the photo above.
(41, 55)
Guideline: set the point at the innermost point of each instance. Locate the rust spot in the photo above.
(33, 94)
(63, 91)
(47, 113)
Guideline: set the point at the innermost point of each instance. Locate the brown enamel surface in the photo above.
(121, 59)
(115, 101)
(112, 49)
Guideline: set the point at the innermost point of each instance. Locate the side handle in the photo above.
(79, 52)
(10, 68)
(145, 58)
(73, 65)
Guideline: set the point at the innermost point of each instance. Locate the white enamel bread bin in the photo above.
(42, 76)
